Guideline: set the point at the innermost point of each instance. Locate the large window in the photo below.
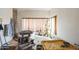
(34, 24)
(45, 25)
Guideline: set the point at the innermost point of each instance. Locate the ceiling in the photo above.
(34, 9)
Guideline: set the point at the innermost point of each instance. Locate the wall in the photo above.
(29, 13)
(68, 24)
(15, 19)
(6, 15)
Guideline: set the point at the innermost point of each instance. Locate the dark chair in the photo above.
(24, 36)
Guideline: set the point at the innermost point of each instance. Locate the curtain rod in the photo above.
(35, 18)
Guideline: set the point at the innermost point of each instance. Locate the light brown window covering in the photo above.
(37, 24)
(33, 24)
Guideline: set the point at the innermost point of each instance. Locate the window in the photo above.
(47, 26)
(52, 26)
(24, 24)
(34, 24)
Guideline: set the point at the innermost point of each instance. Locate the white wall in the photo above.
(6, 15)
(30, 13)
(68, 24)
